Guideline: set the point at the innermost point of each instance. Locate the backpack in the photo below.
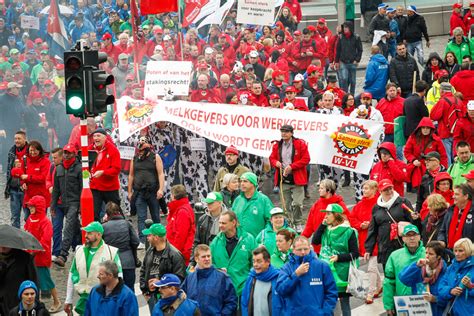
(456, 111)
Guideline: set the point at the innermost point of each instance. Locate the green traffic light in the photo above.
(75, 103)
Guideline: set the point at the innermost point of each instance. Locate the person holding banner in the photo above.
(290, 157)
(203, 93)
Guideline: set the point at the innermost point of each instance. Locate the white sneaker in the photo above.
(141, 246)
(53, 258)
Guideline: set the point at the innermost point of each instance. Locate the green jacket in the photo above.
(350, 10)
(279, 259)
(457, 169)
(333, 242)
(238, 265)
(254, 213)
(398, 260)
(459, 50)
(267, 237)
(399, 131)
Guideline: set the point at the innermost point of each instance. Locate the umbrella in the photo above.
(15, 238)
(62, 10)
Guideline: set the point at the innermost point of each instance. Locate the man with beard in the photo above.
(203, 93)
(232, 165)
(85, 266)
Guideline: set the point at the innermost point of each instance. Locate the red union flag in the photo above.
(158, 6)
(192, 9)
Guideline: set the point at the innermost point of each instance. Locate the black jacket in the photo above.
(379, 22)
(414, 109)
(401, 72)
(12, 183)
(416, 28)
(402, 26)
(17, 267)
(426, 188)
(38, 310)
(379, 229)
(203, 233)
(434, 232)
(67, 185)
(349, 50)
(467, 231)
(171, 261)
(369, 5)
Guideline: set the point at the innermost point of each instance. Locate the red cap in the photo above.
(384, 184)
(106, 36)
(70, 148)
(290, 89)
(441, 73)
(312, 68)
(36, 95)
(469, 175)
(158, 31)
(231, 150)
(48, 82)
(457, 6)
(471, 4)
(275, 96)
(296, 33)
(322, 20)
(223, 35)
(311, 28)
(38, 41)
(276, 73)
(17, 64)
(59, 66)
(366, 95)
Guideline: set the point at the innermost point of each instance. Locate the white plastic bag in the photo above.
(358, 282)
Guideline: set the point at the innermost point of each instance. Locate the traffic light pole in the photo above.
(87, 201)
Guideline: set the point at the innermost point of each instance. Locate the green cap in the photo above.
(277, 211)
(335, 208)
(94, 227)
(250, 177)
(14, 51)
(155, 230)
(45, 52)
(213, 197)
(410, 228)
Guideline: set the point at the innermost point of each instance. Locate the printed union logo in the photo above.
(351, 139)
(137, 112)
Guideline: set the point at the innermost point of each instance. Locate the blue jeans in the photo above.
(146, 200)
(58, 221)
(448, 145)
(348, 77)
(16, 202)
(345, 305)
(418, 47)
(129, 278)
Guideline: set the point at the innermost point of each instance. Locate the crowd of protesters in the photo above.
(242, 255)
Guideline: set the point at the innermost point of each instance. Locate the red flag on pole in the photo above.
(192, 8)
(158, 6)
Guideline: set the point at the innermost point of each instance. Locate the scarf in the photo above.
(165, 302)
(67, 163)
(21, 152)
(389, 203)
(431, 276)
(232, 168)
(348, 34)
(455, 230)
(435, 172)
(434, 69)
(266, 276)
(433, 220)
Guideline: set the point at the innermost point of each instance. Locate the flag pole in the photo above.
(180, 33)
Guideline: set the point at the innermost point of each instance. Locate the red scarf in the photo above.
(21, 152)
(434, 274)
(455, 230)
(67, 163)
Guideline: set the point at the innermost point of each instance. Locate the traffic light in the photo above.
(99, 80)
(75, 83)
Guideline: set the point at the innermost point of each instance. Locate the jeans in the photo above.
(101, 197)
(418, 47)
(448, 145)
(71, 231)
(58, 223)
(146, 200)
(294, 196)
(129, 278)
(345, 305)
(16, 202)
(348, 77)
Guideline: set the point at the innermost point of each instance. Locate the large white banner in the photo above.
(333, 140)
(162, 76)
(259, 12)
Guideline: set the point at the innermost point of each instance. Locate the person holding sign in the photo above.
(424, 276)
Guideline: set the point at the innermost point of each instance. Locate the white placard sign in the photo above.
(164, 76)
(412, 305)
(198, 144)
(30, 22)
(258, 12)
(126, 152)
